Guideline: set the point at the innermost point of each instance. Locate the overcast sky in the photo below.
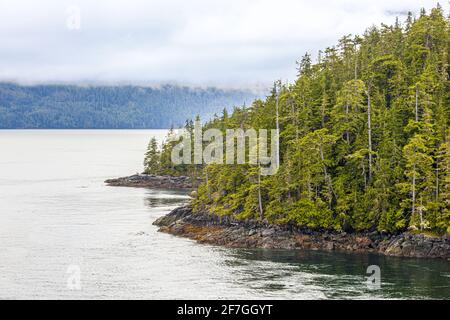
(198, 42)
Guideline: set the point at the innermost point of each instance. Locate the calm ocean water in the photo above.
(59, 222)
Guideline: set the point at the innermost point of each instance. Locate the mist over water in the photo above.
(56, 212)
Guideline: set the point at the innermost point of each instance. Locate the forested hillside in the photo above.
(131, 107)
(365, 141)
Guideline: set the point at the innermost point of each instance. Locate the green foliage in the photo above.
(364, 138)
(152, 159)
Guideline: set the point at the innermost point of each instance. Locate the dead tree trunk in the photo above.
(369, 129)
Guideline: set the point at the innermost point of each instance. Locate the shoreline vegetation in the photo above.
(364, 152)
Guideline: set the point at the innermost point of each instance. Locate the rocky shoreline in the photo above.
(227, 231)
(152, 181)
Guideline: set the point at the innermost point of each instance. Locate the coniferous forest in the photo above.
(109, 107)
(364, 138)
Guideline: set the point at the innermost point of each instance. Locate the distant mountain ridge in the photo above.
(111, 107)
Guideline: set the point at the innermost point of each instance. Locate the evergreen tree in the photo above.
(152, 163)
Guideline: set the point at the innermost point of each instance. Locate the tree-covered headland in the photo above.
(364, 138)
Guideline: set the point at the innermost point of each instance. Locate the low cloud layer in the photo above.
(198, 42)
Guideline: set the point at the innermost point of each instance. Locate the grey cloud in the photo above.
(199, 42)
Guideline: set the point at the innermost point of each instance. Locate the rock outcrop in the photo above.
(152, 181)
(227, 231)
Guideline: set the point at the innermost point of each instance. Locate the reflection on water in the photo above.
(178, 197)
(56, 212)
(341, 275)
